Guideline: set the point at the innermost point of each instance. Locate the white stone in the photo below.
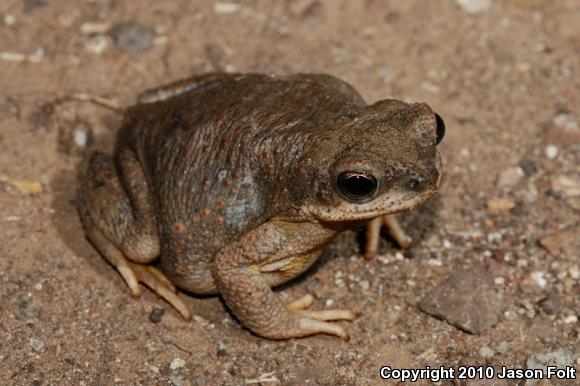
(226, 7)
(551, 151)
(80, 137)
(36, 344)
(176, 363)
(473, 6)
(486, 352)
(97, 44)
(538, 278)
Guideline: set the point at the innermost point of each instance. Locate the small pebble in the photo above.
(226, 7)
(176, 380)
(510, 177)
(97, 44)
(176, 363)
(500, 204)
(466, 300)
(80, 138)
(538, 278)
(156, 315)
(528, 167)
(566, 186)
(566, 121)
(132, 38)
(486, 352)
(154, 369)
(473, 6)
(9, 20)
(571, 319)
(36, 344)
(503, 347)
(551, 151)
(551, 304)
(560, 359)
(221, 351)
(26, 309)
(90, 28)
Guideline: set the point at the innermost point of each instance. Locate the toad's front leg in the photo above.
(236, 271)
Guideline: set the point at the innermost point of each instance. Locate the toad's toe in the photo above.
(373, 234)
(158, 283)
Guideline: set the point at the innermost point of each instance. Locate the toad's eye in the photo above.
(356, 186)
(440, 128)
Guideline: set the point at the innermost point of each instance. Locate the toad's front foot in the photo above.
(373, 234)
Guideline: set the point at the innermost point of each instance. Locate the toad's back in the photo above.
(216, 156)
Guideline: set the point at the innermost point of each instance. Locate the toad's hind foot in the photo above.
(135, 273)
(158, 283)
(314, 322)
(373, 234)
(301, 305)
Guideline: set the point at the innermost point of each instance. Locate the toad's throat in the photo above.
(394, 203)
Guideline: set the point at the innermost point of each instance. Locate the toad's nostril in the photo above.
(414, 182)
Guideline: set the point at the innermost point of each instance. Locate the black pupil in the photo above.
(440, 128)
(357, 186)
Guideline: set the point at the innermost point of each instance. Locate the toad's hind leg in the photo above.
(123, 229)
(179, 87)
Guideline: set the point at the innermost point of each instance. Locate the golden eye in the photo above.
(356, 186)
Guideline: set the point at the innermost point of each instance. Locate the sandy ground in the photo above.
(500, 240)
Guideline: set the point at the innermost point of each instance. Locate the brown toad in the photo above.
(238, 182)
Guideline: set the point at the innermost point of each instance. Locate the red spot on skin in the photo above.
(264, 154)
(205, 213)
(219, 221)
(220, 205)
(227, 183)
(178, 228)
(205, 148)
(177, 253)
(205, 182)
(224, 144)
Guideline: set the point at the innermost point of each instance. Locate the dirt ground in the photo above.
(498, 248)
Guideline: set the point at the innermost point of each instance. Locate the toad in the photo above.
(235, 183)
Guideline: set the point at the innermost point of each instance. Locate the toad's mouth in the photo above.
(388, 203)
